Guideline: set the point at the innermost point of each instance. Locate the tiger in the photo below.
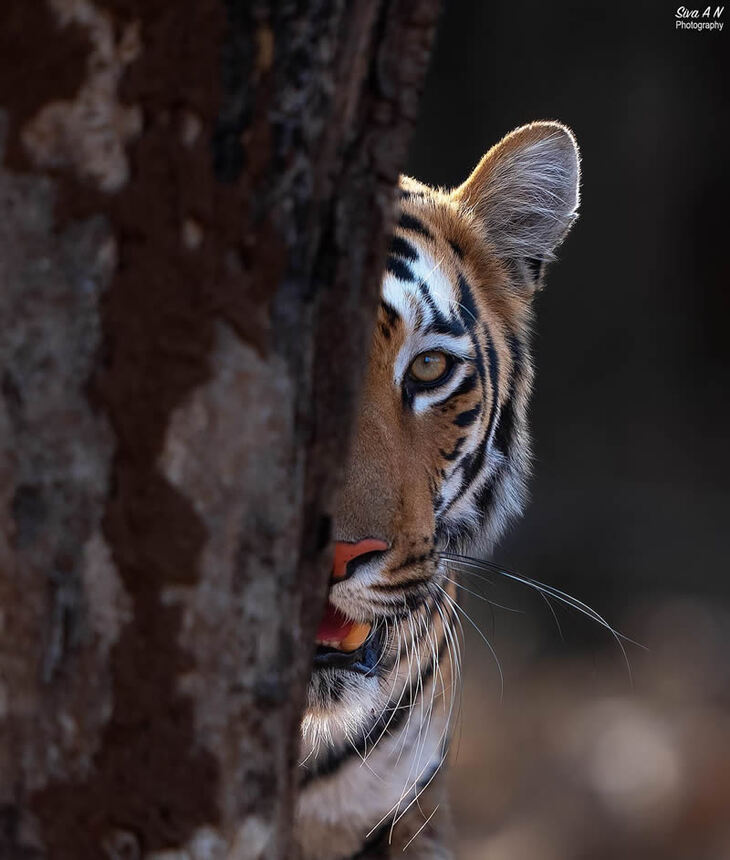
(438, 464)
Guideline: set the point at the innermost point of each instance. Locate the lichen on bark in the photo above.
(237, 475)
(55, 454)
(90, 132)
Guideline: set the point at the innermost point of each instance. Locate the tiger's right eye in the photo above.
(430, 367)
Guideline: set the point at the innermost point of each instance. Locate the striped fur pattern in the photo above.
(434, 467)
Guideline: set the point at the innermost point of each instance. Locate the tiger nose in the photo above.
(349, 556)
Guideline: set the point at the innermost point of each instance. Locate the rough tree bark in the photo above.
(193, 203)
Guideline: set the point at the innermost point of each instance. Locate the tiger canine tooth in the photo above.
(354, 639)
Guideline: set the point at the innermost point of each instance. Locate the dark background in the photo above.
(569, 755)
(631, 407)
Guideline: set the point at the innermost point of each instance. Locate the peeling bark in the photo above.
(194, 199)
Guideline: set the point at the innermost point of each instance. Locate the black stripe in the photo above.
(407, 397)
(392, 717)
(485, 496)
(390, 312)
(401, 247)
(413, 559)
(472, 465)
(419, 317)
(467, 384)
(466, 419)
(401, 270)
(335, 758)
(440, 324)
(407, 195)
(452, 455)
(493, 361)
(404, 584)
(516, 350)
(469, 314)
(456, 249)
(408, 222)
(505, 428)
(469, 310)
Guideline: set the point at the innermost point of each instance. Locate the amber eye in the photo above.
(430, 367)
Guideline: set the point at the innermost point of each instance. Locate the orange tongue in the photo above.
(354, 639)
(338, 631)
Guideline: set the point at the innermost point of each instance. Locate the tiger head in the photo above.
(440, 452)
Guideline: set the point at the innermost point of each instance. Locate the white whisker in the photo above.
(418, 832)
(550, 591)
(484, 638)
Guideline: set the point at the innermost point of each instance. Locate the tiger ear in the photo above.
(524, 194)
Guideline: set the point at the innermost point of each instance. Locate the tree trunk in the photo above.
(194, 199)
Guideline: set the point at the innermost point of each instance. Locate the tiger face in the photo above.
(438, 462)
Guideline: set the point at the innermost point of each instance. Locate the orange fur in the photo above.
(434, 466)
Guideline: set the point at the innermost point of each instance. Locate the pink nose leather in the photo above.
(346, 552)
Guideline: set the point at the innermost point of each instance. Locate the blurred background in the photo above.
(630, 496)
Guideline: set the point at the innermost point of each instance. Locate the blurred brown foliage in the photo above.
(579, 761)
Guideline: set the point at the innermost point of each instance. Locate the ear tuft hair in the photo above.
(525, 194)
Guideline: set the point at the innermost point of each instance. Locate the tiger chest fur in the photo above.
(438, 464)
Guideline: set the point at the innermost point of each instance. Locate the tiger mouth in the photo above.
(343, 643)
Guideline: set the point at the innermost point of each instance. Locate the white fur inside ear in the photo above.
(525, 191)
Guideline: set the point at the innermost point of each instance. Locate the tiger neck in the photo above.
(354, 791)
